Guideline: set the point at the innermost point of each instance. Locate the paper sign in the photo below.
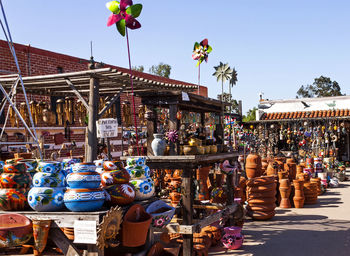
(107, 128)
(185, 96)
(85, 232)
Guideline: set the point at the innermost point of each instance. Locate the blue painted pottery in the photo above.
(84, 167)
(49, 166)
(2, 163)
(46, 199)
(31, 165)
(136, 161)
(161, 212)
(84, 180)
(144, 188)
(43, 179)
(139, 172)
(68, 164)
(84, 200)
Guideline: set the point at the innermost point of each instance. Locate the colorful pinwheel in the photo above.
(124, 16)
(201, 51)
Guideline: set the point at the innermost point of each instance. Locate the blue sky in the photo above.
(275, 46)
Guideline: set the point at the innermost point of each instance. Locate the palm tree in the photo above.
(233, 81)
(222, 72)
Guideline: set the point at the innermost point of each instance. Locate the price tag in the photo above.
(85, 232)
(185, 96)
(107, 128)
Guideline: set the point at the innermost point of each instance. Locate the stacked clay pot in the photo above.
(261, 198)
(49, 185)
(310, 193)
(83, 192)
(115, 179)
(253, 166)
(318, 183)
(291, 166)
(299, 197)
(14, 184)
(285, 190)
(140, 177)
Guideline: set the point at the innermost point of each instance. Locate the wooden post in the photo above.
(230, 193)
(187, 208)
(173, 126)
(91, 146)
(108, 141)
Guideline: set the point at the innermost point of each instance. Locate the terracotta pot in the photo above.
(15, 230)
(109, 178)
(271, 169)
(190, 150)
(283, 175)
(270, 193)
(259, 215)
(121, 194)
(41, 230)
(261, 207)
(298, 202)
(300, 169)
(253, 166)
(259, 181)
(136, 223)
(262, 188)
(298, 184)
(202, 177)
(284, 183)
(265, 200)
(233, 239)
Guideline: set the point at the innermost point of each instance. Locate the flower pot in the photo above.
(84, 200)
(84, 180)
(44, 179)
(144, 188)
(15, 168)
(139, 172)
(298, 202)
(158, 144)
(15, 230)
(136, 161)
(46, 199)
(13, 199)
(49, 166)
(253, 166)
(262, 188)
(202, 177)
(260, 215)
(109, 178)
(15, 180)
(284, 183)
(161, 212)
(112, 165)
(259, 181)
(261, 207)
(121, 194)
(41, 230)
(84, 167)
(232, 239)
(135, 225)
(31, 165)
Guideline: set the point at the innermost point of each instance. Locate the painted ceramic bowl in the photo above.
(49, 166)
(136, 161)
(15, 180)
(139, 172)
(44, 179)
(109, 178)
(46, 199)
(161, 212)
(84, 180)
(84, 167)
(16, 167)
(31, 164)
(144, 188)
(12, 161)
(113, 165)
(12, 199)
(84, 200)
(15, 230)
(121, 194)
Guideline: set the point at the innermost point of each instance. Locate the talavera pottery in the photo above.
(136, 161)
(46, 199)
(233, 239)
(84, 200)
(109, 178)
(15, 180)
(161, 212)
(158, 144)
(49, 166)
(84, 180)
(15, 230)
(12, 199)
(17, 167)
(12, 161)
(99, 163)
(139, 172)
(83, 167)
(144, 188)
(44, 179)
(121, 194)
(113, 165)
(68, 164)
(31, 165)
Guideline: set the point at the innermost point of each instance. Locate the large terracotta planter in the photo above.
(135, 225)
(253, 166)
(202, 177)
(271, 169)
(15, 230)
(285, 190)
(292, 166)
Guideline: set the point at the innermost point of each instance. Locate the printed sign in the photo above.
(107, 128)
(185, 96)
(85, 232)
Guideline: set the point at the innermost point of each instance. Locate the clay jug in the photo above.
(253, 166)
(292, 168)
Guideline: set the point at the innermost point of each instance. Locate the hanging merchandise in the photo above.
(69, 109)
(60, 112)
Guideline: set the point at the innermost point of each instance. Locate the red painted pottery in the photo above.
(113, 165)
(15, 180)
(253, 166)
(109, 178)
(12, 199)
(16, 167)
(121, 194)
(135, 225)
(15, 230)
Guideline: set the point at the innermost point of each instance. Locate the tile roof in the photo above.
(306, 114)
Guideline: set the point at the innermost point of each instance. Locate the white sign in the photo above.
(85, 232)
(185, 96)
(107, 128)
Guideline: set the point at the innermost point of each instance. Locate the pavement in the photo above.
(320, 229)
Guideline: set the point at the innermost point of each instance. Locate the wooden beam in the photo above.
(62, 242)
(111, 102)
(77, 93)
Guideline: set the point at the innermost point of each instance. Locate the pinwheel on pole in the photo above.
(124, 14)
(200, 52)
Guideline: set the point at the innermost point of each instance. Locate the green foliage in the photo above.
(233, 79)
(161, 69)
(251, 115)
(139, 68)
(321, 87)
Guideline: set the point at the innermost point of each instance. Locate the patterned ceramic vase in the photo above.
(161, 212)
(49, 166)
(136, 161)
(84, 200)
(15, 168)
(68, 164)
(46, 199)
(2, 163)
(109, 178)
(99, 163)
(113, 165)
(144, 188)
(84, 180)
(121, 194)
(233, 239)
(84, 167)
(18, 230)
(31, 165)
(44, 179)
(158, 144)
(139, 172)
(15, 180)
(13, 199)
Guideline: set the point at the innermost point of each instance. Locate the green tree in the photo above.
(222, 73)
(161, 69)
(251, 115)
(139, 68)
(321, 87)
